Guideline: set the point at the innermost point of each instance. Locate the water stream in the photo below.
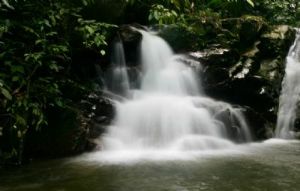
(290, 93)
(169, 112)
(117, 79)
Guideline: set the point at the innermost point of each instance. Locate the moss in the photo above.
(276, 40)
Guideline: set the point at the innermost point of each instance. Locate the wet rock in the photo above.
(98, 112)
(219, 57)
(232, 125)
(252, 77)
(260, 126)
(297, 122)
(216, 76)
(130, 33)
(131, 39)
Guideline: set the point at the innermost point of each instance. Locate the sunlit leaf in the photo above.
(6, 93)
(250, 2)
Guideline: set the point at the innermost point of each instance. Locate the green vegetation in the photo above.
(40, 38)
(36, 43)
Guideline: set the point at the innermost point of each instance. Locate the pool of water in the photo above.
(272, 165)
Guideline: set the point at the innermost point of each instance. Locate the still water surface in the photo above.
(270, 166)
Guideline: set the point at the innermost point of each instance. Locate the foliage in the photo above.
(167, 11)
(231, 8)
(36, 57)
(93, 33)
(160, 14)
(275, 11)
(280, 12)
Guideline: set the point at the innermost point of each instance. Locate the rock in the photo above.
(250, 76)
(297, 121)
(98, 113)
(131, 39)
(214, 56)
(244, 30)
(243, 68)
(71, 130)
(130, 33)
(260, 126)
(215, 76)
(276, 41)
(231, 124)
(180, 39)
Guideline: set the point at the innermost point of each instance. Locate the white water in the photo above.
(290, 93)
(118, 81)
(169, 112)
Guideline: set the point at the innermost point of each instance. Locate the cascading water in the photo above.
(290, 93)
(169, 112)
(118, 81)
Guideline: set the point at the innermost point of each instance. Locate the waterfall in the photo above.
(169, 110)
(117, 80)
(290, 93)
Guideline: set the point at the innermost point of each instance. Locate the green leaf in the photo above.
(39, 41)
(20, 120)
(19, 134)
(17, 68)
(250, 2)
(54, 67)
(176, 3)
(90, 29)
(84, 2)
(155, 14)
(15, 78)
(47, 23)
(59, 103)
(6, 93)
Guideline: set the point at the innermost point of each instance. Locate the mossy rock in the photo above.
(244, 30)
(276, 41)
(181, 39)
